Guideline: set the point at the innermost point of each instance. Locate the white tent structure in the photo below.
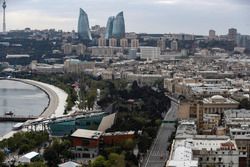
(70, 164)
(28, 157)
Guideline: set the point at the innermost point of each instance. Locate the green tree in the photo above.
(98, 162)
(51, 156)
(115, 160)
(244, 103)
(2, 157)
(129, 144)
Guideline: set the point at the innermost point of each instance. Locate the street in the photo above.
(158, 154)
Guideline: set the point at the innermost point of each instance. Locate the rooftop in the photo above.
(87, 134)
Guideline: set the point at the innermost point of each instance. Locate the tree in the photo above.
(244, 103)
(129, 144)
(2, 157)
(115, 160)
(50, 155)
(98, 162)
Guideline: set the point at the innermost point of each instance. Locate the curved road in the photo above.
(53, 97)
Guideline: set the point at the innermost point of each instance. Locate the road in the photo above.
(158, 154)
(53, 97)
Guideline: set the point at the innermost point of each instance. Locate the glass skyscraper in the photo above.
(119, 26)
(109, 27)
(83, 26)
(115, 27)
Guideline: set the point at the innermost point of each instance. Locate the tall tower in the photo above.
(4, 22)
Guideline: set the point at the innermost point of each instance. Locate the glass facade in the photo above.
(83, 26)
(67, 126)
(109, 27)
(119, 26)
(115, 27)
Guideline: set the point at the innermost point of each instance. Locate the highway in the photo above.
(158, 154)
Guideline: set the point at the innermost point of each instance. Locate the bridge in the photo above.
(16, 118)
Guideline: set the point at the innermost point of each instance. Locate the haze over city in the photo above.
(149, 16)
(125, 83)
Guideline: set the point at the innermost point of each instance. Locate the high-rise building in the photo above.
(102, 41)
(212, 34)
(115, 27)
(113, 42)
(119, 26)
(161, 44)
(83, 26)
(109, 27)
(124, 43)
(232, 34)
(135, 43)
(174, 45)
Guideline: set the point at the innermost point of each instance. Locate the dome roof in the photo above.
(219, 97)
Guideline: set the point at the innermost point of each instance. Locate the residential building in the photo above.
(174, 45)
(113, 42)
(212, 35)
(150, 53)
(135, 43)
(102, 42)
(161, 44)
(232, 34)
(124, 43)
(77, 66)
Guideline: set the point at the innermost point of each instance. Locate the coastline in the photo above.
(56, 104)
(57, 98)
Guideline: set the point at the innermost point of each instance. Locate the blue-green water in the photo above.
(21, 99)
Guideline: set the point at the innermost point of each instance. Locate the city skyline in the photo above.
(166, 16)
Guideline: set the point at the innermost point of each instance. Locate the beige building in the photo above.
(208, 112)
(77, 66)
(78, 49)
(174, 45)
(113, 42)
(105, 51)
(102, 42)
(212, 35)
(162, 44)
(135, 43)
(150, 53)
(124, 43)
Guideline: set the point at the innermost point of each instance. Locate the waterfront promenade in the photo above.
(57, 101)
(57, 98)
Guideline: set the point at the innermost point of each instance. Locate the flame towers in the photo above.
(109, 27)
(115, 27)
(83, 26)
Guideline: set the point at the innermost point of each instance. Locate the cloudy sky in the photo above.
(150, 16)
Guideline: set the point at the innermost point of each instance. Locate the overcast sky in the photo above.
(150, 16)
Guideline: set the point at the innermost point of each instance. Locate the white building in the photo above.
(150, 53)
(77, 66)
(202, 150)
(27, 158)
